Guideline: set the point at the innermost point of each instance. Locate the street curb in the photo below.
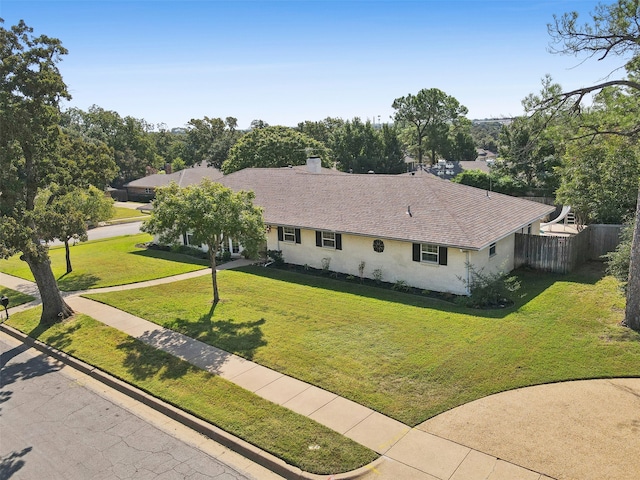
(122, 221)
(230, 441)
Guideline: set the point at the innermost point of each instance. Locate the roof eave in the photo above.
(398, 239)
(526, 224)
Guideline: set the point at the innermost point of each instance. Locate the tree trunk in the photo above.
(419, 145)
(214, 278)
(632, 312)
(67, 255)
(54, 308)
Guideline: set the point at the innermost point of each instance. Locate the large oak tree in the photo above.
(274, 146)
(209, 140)
(129, 138)
(428, 114)
(31, 88)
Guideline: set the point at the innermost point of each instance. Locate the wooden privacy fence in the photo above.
(564, 254)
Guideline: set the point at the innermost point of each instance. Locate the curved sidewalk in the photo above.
(408, 453)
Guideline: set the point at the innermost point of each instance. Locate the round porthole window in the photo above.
(378, 246)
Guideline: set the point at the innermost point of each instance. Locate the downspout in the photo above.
(468, 265)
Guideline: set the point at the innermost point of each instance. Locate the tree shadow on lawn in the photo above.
(206, 343)
(240, 338)
(59, 341)
(16, 298)
(533, 283)
(72, 282)
(171, 257)
(144, 361)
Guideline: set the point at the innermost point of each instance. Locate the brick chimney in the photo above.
(314, 165)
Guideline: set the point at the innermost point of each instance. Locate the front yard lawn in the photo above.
(296, 439)
(108, 262)
(406, 356)
(120, 213)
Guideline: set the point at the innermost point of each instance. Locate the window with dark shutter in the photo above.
(416, 252)
(442, 255)
(429, 253)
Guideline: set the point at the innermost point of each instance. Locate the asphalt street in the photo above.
(108, 231)
(54, 427)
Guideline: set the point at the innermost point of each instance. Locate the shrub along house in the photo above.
(421, 230)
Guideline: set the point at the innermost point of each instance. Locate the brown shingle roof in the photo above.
(188, 176)
(442, 212)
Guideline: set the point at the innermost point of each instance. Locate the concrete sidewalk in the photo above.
(408, 453)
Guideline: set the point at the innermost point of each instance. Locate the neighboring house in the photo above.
(484, 166)
(413, 228)
(485, 155)
(144, 189)
(449, 169)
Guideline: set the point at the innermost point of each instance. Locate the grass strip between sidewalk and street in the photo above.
(15, 298)
(108, 262)
(294, 438)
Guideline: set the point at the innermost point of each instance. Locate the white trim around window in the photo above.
(289, 234)
(328, 239)
(429, 253)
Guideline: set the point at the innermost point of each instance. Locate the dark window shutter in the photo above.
(318, 238)
(280, 234)
(416, 252)
(298, 239)
(442, 255)
(338, 241)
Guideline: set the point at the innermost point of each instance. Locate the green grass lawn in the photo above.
(238, 411)
(406, 356)
(108, 262)
(120, 213)
(15, 298)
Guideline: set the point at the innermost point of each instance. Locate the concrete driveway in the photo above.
(578, 430)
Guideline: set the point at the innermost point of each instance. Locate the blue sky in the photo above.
(288, 61)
